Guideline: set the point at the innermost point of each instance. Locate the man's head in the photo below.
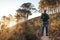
(44, 11)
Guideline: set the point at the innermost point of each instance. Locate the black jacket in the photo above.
(44, 17)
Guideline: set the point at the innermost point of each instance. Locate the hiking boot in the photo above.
(46, 34)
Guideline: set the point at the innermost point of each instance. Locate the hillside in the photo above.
(27, 30)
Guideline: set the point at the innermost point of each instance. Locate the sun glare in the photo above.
(12, 23)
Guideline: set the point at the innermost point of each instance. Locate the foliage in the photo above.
(28, 6)
(27, 30)
(25, 11)
(49, 5)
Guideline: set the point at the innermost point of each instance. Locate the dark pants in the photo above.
(45, 25)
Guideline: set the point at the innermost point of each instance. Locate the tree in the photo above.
(50, 4)
(22, 13)
(5, 21)
(28, 6)
(17, 16)
(25, 10)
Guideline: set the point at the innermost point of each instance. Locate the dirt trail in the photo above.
(44, 37)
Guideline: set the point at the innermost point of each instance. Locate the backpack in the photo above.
(45, 17)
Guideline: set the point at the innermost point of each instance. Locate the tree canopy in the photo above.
(49, 3)
(25, 10)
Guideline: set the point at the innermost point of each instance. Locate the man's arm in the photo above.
(47, 16)
(41, 16)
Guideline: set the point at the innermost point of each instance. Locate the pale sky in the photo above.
(10, 6)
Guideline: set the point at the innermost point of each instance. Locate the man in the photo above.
(45, 18)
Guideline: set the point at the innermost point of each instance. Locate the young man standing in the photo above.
(45, 21)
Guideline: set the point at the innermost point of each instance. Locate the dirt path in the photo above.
(44, 37)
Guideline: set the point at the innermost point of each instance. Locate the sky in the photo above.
(10, 6)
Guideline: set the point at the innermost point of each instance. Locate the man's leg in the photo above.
(42, 28)
(46, 29)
